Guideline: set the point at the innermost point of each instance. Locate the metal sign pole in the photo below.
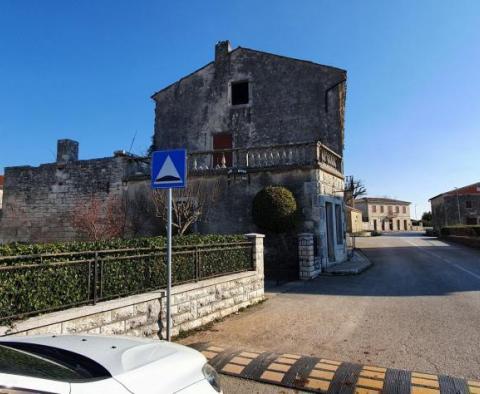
(169, 261)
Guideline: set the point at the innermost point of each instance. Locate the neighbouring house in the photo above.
(384, 214)
(248, 119)
(354, 220)
(457, 206)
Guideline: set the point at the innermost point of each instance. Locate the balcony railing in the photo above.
(299, 154)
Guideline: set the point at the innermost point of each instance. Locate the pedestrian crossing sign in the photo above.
(169, 169)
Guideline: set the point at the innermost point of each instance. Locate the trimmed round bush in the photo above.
(275, 209)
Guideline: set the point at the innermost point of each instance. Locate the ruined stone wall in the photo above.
(290, 101)
(39, 202)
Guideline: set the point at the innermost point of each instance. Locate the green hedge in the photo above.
(469, 231)
(45, 286)
(15, 249)
(275, 209)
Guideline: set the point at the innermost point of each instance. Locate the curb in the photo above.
(337, 270)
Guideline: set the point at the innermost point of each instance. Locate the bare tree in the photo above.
(99, 219)
(189, 205)
(354, 188)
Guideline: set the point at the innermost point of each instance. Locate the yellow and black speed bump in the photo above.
(322, 375)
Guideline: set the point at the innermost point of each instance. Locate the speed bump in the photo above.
(321, 375)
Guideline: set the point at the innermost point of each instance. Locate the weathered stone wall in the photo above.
(449, 210)
(192, 305)
(291, 101)
(40, 202)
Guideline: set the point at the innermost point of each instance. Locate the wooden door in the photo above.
(222, 142)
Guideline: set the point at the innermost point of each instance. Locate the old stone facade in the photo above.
(251, 119)
(247, 98)
(385, 214)
(458, 206)
(192, 305)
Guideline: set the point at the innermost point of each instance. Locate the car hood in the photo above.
(141, 365)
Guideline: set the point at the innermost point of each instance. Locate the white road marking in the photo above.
(444, 260)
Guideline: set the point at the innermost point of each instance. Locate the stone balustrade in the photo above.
(300, 154)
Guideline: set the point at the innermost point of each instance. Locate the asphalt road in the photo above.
(417, 308)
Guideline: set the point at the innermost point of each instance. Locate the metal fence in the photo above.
(32, 284)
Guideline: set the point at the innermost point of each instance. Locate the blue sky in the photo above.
(86, 69)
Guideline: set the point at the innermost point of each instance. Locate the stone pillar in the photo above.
(257, 240)
(306, 257)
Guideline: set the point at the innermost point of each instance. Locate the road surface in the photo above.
(417, 308)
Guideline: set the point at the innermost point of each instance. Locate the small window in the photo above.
(404, 208)
(374, 208)
(382, 208)
(468, 204)
(240, 93)
(397, 209)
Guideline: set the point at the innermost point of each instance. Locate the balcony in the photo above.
(312, 154)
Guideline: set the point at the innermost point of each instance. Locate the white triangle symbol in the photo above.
(168, 173)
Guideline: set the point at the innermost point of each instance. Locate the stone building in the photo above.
(385, 214)
(457, 206)
(248, 119)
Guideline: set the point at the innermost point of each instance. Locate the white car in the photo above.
(102, 364)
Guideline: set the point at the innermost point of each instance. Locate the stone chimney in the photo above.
(222, 49)
(67, 151)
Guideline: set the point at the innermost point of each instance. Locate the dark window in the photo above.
(397, 209)
(468, 204)
(381, 208)
(240, 93)
(46, 362)
(374, 208)
(338, 224)
(404, 209)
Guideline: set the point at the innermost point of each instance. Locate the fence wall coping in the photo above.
(105, 306)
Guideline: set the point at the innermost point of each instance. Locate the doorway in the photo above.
(330, 232)
(222, 142)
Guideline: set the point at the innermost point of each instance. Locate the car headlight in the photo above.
(212, 377)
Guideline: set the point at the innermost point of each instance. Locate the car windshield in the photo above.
(48, 362)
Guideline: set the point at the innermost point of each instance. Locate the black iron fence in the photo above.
(32, 284)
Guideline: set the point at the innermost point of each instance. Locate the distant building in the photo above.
(354, 219)
(385, 214)
(457, 206)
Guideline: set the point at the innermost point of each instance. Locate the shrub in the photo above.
(468, 231)
(42, 285)
(275, 209)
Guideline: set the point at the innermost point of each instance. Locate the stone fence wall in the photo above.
(193, 305)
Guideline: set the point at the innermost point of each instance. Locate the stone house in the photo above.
(457, 206)
(385, 214)
(248, 119)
